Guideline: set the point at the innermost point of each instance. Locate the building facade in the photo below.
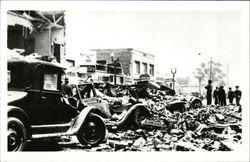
(133, 62)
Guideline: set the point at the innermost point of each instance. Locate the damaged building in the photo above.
(40, 32)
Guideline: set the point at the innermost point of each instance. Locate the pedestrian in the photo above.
(209, 92)
(230, 95)
(222, 96)
(216, 97)
(66, 88)
(237, 95)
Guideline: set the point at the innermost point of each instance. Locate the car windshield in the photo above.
(86, 91)
(99, 93)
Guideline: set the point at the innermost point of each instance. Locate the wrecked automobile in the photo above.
(38, 110)
(127, 111)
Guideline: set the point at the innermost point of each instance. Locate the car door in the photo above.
(45, 96)
(35, 104)
(58, 112)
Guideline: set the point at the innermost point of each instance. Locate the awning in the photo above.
(15, 19)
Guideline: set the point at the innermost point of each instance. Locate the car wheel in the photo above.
(139, 117)
(17, 135)
(92, 131)
(196, 104)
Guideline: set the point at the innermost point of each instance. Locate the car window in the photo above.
(50, 81)
(16, 75)
(91, 93)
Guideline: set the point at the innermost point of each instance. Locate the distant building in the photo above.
(164, 79)
(134, 63)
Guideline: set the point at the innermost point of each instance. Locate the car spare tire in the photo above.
(92, 131)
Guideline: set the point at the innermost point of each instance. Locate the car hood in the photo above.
(15, 95)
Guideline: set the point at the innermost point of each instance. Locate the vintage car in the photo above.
(184, 102)
(139, 90)
(130, 110)
(38, 110)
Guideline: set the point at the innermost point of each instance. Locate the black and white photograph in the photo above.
(157, 80)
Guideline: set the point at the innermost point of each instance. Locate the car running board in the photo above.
(50, 135)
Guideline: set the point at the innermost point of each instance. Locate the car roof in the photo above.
(22, 59)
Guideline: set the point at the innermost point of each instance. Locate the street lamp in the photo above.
(173, 71)
(115, 63)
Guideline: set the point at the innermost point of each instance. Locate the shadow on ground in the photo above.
(43, 146)
(54, 145)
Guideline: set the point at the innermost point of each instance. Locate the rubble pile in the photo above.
(179, 128)
(176, 123)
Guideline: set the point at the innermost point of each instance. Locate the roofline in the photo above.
(129, 49)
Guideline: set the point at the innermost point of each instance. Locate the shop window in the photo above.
(137, 67)
(151, 69)
(145, 68)
(170, 85)
(121, 80)
(111, 78)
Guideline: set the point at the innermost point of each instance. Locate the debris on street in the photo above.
(175, 126)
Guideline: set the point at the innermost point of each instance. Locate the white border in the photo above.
(240, 155)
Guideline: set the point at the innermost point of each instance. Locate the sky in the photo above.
(174, 37)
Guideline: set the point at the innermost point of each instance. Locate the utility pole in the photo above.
(200, 79)
(227, 76)
(115, 72)
(211, 69)
(173, 71)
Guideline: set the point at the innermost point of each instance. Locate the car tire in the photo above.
(196, 104)
(92, 131)
(138, 117)
(17, 134)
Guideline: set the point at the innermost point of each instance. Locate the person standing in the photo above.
(237, 95)
(66, 88)
(215, 95)
(209, 92)
(230, 95)
(222, 96)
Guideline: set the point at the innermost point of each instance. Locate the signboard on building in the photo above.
(128, 80)
(90, 69)
(169, 80)
(82, 70)
(88, 58)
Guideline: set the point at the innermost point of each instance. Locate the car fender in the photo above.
(17, 112)
(129, 118)
(15, 96)
(177, 105)
(80, 119)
